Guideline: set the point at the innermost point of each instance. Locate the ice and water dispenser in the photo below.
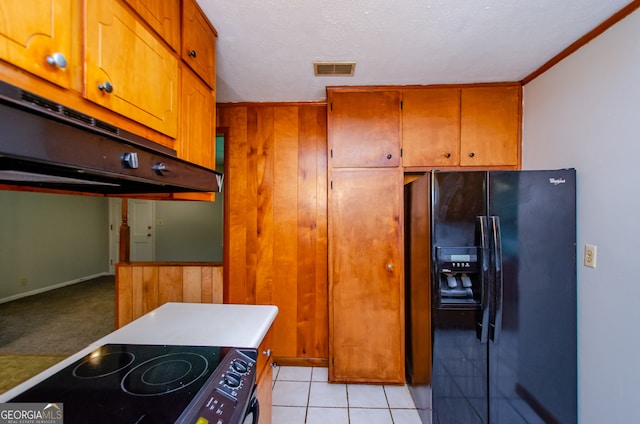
(458, 271)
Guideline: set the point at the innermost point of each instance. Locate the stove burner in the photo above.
(96, 366)
(164, 374)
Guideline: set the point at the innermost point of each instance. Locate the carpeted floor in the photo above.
(38, 331)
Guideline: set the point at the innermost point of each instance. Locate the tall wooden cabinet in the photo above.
(366, 303)
(366, 276)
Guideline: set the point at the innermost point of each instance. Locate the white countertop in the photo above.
(188, 324)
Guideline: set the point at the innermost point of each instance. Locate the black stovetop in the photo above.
(128, 383)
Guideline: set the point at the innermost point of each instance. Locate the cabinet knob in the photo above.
(389, 156)
(471, 154)
(106, 87)
(57, 59)
(267, 352)
(447, 155)
(192, 53)
(389, 267)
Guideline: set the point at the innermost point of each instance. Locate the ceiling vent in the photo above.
(341, 69)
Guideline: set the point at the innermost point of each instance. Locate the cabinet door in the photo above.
(128, 70)
(490, 126)
(364, 128)
(431, 127)
(197, 135)
(366, 301)
(36, 32)
(163, 16)
(198, 42)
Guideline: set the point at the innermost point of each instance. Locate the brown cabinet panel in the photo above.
(490, 126)
(197, 142)
(163, 16)
(264, 380)
(128, 70)
(198, 42)
(431, 127)
(33, 31)
(364, 128)
(366, 290)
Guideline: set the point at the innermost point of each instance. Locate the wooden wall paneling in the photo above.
(206, 294)
(192, 284)
(312, 318)
(251, 211)
(169, 284)
(277, 219)
(236, 120)
(217, 293)
(285, 217)
(124, 295)
(264, 160)
(149, 288)
(138, 293)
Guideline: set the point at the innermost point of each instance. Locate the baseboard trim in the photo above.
(294, 361)
(49, 288)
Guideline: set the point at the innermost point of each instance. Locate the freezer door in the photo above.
(532, 362)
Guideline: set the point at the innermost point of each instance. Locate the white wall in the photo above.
(584, 113)
(50, 240)
(190, 231)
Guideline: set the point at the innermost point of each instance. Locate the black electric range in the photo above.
(124, 383)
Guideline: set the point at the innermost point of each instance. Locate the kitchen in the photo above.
(571, 114)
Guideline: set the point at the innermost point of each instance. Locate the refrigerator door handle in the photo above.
(496, 257)
(483, 330)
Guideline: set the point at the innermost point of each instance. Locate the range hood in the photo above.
(47, 145)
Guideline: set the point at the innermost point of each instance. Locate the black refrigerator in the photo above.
(499, 341)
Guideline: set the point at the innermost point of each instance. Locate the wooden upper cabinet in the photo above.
(35, 35)
(163, 16)
(431, 127)
(366, 290)
(198, 133)
(128, 70)
(364, 128)
(198, 42)
(490, 126)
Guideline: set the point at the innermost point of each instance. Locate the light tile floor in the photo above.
(303, 395)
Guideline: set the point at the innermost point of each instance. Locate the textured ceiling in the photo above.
(266, 48)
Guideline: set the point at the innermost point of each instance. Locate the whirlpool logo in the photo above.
(31, 413)
(556, 181)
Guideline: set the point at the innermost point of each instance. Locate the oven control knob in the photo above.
(240, 366)
(232, 379)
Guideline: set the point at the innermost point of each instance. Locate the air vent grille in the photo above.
(343, 69)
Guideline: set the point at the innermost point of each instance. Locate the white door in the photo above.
(141, 218)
